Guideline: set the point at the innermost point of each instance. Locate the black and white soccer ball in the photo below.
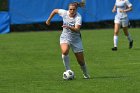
(68, 75)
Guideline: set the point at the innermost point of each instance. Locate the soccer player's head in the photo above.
(73, 8)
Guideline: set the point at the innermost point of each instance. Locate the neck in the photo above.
(72, 15)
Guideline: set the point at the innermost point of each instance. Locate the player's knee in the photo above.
(116, 33)
(64, 53)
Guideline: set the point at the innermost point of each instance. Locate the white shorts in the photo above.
(76, 45)
(124, 22)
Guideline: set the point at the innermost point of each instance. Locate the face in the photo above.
(72, 10)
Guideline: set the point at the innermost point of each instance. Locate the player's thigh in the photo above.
(117, 24)
(77, 46)
(125, 22)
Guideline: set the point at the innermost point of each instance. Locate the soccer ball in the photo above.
(68, 75)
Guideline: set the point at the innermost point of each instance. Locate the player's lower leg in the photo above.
(130, 41)
(115, 39)
(85, 72)
(65, 59)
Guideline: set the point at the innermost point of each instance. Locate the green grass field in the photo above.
(30, 62)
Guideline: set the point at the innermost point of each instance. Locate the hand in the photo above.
(122, 11)
(114, 10)
(48, 22)
(65, 26)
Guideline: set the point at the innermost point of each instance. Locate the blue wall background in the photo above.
(4, 22)
(34, 11)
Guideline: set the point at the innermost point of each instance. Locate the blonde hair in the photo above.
(76, 4)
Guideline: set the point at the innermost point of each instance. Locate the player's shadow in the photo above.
(136, 48)
(110, 77)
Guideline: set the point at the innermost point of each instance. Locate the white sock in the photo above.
(65, 59)
(115, 41)
(129, 37)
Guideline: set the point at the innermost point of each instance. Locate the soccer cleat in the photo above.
(86, 76)
(114, 49)
(131, 44)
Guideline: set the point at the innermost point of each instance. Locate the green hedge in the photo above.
(3, 5)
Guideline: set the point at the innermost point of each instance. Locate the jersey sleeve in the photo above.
(78, 20)
(115, 2)
(128, 3)
(62, 12)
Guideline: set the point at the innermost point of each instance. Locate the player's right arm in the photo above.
(55, 11)
(114, 8)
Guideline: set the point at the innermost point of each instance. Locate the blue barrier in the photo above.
(4, 22)
(34, 11)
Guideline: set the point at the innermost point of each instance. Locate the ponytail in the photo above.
(78, 4)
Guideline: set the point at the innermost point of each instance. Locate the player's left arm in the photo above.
(128, 8)
(75, 28)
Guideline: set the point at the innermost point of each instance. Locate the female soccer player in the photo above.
(70, 36)
(121, 19)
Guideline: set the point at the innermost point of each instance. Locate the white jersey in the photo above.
(69, 21)
(70, 37)
(122, 5)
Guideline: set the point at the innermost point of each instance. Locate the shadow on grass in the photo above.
(136, 49)
(110, 77)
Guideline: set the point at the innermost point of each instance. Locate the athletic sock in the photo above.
(65, 59)
(85, 72)
(115, 41)
(129, 38)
